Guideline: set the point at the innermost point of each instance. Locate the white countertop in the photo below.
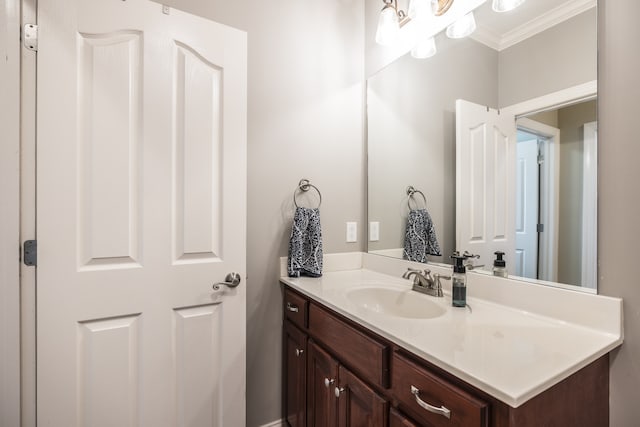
(510, 353)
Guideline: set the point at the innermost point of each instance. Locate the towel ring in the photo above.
(411, 191)
(305, 185)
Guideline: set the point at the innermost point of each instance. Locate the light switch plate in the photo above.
(374, 231)
(352, 232)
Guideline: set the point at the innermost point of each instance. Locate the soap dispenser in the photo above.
(459, 281)
(499, 265)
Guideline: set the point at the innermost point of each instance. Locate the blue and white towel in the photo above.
(305, 245)
(420, 237)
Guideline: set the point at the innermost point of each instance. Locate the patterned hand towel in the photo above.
(305, 245)
(420, 237)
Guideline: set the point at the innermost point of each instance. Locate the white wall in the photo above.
(305, 120)
(9, 214)
(618, 201)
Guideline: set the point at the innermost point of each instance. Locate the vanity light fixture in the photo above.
(463, 27)
(505, 5)
(425, 19)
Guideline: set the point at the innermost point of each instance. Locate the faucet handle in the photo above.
(437, 285)
(437, 278)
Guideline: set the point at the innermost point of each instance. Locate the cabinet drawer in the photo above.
(295, 308)
(361, 353)
(465, 409)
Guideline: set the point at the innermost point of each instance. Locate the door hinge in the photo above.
(30, 253)
(540, 228)
(30, 36)
(540, 158)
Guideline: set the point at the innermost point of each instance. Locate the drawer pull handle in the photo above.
(299, 352)
(291, 307)
(424, 405)
(338, 391)
(328, 382)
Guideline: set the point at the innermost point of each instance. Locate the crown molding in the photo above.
(537, 25)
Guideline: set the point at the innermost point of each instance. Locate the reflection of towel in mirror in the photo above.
(420, 237)
(305, 245)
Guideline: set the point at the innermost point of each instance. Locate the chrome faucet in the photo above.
(424, 283)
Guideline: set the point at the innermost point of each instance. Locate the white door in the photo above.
(141, 208)
(485, 182)
(527, 184)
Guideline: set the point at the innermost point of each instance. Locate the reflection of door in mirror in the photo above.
(485, 190)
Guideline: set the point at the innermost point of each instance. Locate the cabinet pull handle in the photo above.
(328, 382)
(299, 352)
(291, 307)
(338, 391)
(424, 405)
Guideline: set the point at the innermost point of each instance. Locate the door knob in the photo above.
(231, 281)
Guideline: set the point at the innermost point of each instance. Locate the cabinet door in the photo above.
(322, 373)
(359, 405)
(296, 375)
(398, 420)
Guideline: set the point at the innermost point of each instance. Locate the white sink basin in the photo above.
(397, 303)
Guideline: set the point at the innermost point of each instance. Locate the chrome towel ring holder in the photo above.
(411, 192)
(304, 185)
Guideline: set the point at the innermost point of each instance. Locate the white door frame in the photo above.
(10, 215)
(549, 203)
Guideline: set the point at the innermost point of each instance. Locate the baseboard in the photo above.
(276, 423)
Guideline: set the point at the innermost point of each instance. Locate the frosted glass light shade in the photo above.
(388, 27)
(425, 48)
(463, 27)
(418, 9)
(505, 5)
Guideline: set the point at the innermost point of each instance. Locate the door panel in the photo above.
(322, 405)
(527, 209)
(141, 166)
(359, 405)
(485, 175)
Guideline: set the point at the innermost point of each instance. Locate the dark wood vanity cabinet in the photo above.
(338, 373)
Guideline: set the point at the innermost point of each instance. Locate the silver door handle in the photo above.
(338, 391)
(231, 281)
(328, 382)
(299, 352)
(291, 307)
(424, 405)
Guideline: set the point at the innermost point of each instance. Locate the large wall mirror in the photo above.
(536, 64)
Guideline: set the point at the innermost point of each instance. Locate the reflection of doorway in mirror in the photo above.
(542, 223)
(529, 195)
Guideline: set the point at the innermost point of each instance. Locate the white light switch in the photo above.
(374, 231)
(352, 232)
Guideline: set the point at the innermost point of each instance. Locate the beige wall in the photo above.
(560, 57)
(305, 119)
(618, 202)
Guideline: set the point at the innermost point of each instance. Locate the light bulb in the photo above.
(425, 48)
(388, 26)
(463, 27)
(505, 5)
